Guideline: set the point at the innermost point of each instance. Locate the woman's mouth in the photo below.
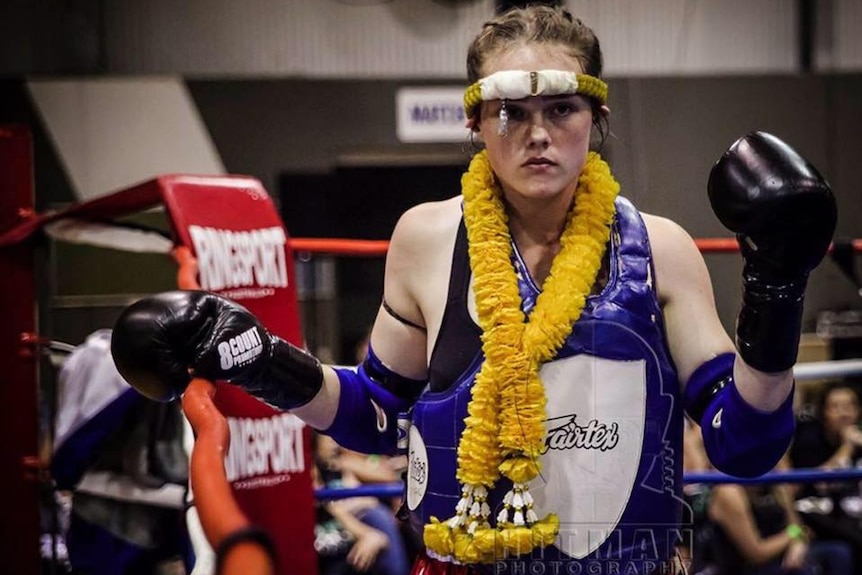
(538, 162)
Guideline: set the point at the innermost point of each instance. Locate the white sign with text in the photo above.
(431, 114)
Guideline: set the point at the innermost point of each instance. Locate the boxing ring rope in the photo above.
(701, 477)
(220, 516)
(350, 247)
(827, 369)
(340, 247)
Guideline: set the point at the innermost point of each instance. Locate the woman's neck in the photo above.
(536, 230)
(535, 223)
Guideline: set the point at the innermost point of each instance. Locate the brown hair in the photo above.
(541, 24)
(535, 23)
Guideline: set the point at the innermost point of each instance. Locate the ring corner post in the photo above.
(19, 450)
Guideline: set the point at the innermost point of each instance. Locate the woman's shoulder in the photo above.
(671, 245)
(421, 246)
(663, 230)
(425, 225)
(429, 217)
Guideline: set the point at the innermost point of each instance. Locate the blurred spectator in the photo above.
(355, 533)
(832, 440)
(695, 547)
(344, 545)
(121, 458)
(753, 534)
(758, 532)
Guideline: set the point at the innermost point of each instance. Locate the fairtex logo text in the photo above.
(229, 259)
(241, 349)
(569, 435)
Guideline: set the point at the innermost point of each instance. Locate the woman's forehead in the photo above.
(534, 56)
(537, 101)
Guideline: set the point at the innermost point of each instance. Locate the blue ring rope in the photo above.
(711, 478)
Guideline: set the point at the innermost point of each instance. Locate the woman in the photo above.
(541, 331)
(753, 530)
(356, 533)
(834, 440)
(833, 510)
(754, 535)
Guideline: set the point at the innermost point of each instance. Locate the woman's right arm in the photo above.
(415, 286)
(415, 280)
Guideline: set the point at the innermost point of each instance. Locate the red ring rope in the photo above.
(220, 516)
(348, 247)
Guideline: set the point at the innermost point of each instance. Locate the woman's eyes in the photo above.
(553, 110)
(516, 113)
(562, 109)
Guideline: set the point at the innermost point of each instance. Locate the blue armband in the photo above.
(739, 439)
(372, 397)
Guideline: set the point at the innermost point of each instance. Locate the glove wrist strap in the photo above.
(291, 379)
(770, 322)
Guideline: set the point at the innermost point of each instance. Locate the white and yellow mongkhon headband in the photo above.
(518, 84)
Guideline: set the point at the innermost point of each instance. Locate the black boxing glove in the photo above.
(783, 213)
(160, 342)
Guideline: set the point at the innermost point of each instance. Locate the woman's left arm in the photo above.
(694, 332)
(733, 402)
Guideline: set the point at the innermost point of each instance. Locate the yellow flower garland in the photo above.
(505, 426)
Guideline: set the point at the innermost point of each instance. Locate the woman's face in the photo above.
(840, 410)
(547, 137)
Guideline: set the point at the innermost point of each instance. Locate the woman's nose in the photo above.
(538, 132)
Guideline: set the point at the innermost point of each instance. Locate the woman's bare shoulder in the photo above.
(671, 245)
(426, 223)
(430, 215)
(665, 233)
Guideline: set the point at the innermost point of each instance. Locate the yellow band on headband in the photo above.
(517, 84)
